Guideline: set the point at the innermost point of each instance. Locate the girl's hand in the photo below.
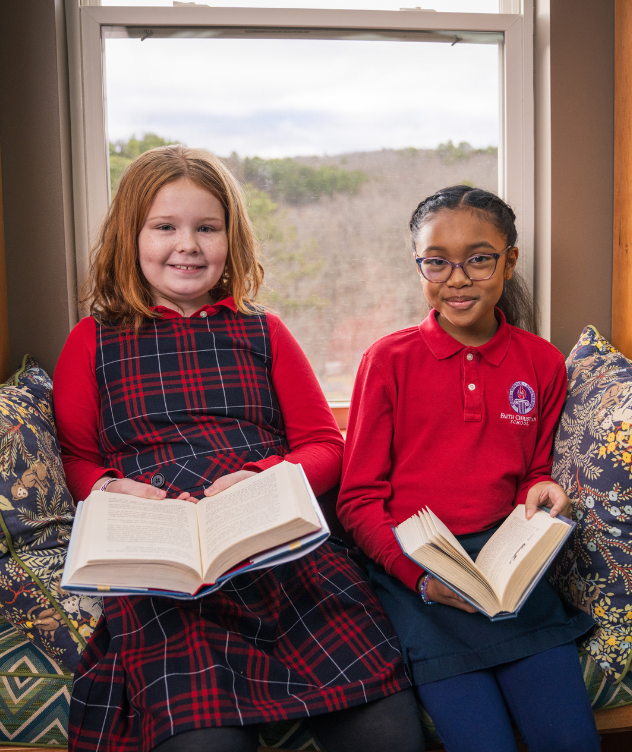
(226, 481)
(438, 592)
(550, 495)
(134, 488)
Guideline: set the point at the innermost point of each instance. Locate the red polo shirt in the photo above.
(463, 430)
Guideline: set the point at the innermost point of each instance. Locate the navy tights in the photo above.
(544, 694)
(389, 723)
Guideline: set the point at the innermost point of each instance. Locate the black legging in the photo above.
(389, 723)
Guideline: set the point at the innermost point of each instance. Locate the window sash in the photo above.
(88, 27)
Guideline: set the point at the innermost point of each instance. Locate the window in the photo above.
(451, 6)
(337, 122)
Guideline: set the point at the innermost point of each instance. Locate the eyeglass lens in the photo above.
(438, 269)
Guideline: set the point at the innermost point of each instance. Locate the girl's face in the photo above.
(183, 245)
(465, 307)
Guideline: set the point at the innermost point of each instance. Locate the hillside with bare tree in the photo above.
(335, 242)
(339, 268)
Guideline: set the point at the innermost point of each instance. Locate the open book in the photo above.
(124, 544)
(508, 567)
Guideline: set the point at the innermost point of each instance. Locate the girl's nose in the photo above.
(459, 278)
(187, 241)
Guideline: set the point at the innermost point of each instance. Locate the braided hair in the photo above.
(516, 301)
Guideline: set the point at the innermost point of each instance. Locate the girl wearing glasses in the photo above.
(458, 414)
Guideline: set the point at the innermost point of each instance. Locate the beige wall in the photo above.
(582, 149)
(33, 141)
(34, 227)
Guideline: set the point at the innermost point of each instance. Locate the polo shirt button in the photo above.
(158, 480)
(470, 356)
(203, 314)
(471, 387)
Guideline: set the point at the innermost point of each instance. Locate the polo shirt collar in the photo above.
(209, 309)
(442, 345)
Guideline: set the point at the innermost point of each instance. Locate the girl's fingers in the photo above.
(134, 488)
(438, 592)
(531, 507)
(549, 495)
(458, 602)
(554, 498)
(226, 481)
(143, 490)
(562, 506)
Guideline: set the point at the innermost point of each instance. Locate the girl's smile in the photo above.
(460, 302)
(183, 245)
(465, 307)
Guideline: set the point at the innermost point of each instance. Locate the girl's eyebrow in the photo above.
(470, 247)
(169, 218)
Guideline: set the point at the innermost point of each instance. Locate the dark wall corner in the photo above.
(582, 167)
(30, 135)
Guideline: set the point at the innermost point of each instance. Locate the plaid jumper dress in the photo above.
(185, 402)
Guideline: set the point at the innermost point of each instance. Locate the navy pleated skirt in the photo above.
(440, 641)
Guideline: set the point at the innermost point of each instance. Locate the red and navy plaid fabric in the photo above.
(188, 398)
(300, 639)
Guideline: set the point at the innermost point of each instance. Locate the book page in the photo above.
(509, 545)
(242, 511)
(302, 496)
(452, 566)
(442, 530)
(124, 527)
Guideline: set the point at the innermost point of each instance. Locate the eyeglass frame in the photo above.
(461, 265)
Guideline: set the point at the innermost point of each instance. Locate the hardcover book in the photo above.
(506, 570)
(124, 545)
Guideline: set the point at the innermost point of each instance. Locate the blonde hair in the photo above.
(116, 290)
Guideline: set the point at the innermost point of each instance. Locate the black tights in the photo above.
(389, 723)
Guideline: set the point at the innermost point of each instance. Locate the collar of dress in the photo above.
(206, 310)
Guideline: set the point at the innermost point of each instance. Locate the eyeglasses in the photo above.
(476, 268)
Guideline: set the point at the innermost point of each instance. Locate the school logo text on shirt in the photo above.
(521, 397)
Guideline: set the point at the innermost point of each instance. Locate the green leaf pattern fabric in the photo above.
(593, 462)
(36, 514)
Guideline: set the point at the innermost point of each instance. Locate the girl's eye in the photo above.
(437, 263)
(480, 259)
(206, 228)
(165, 227)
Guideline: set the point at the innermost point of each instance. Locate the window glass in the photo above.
(446, 6)
(336, 142)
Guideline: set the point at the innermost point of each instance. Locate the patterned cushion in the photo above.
(593, 462)
(604, 693)
(34, 693)
(36, 513)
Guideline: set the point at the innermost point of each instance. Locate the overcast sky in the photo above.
(275, 98)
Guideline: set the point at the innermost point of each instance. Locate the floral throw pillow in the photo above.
(36, 514)
(593, 462)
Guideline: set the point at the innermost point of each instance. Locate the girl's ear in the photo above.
(510, 262)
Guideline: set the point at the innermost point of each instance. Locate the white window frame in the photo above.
(90, 155)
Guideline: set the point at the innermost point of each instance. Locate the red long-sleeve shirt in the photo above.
(312, 434)
(463, 430)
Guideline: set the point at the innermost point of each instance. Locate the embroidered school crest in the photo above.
(521, 397)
